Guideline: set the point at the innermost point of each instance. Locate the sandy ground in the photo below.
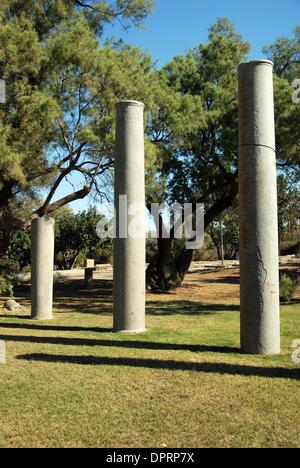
(212, 287)
(217, 287)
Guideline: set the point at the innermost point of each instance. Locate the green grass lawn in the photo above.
(73, 383)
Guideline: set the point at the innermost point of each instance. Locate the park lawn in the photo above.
(72, 383)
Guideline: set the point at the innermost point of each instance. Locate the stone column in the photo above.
(42, 259)
(129, 253)
(260, 317)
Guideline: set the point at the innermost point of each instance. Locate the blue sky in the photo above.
(178, 25)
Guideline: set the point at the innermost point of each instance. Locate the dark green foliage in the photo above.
(20, 248)
(288, 286)
(7, 269)
(62, 87)
(200, 157)
(75, 234)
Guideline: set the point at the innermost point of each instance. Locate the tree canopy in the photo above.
(285, 53)
(201, 158)
(62, 86)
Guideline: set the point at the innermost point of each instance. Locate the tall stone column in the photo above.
(260, 316)
(129, 244)
(42, 259)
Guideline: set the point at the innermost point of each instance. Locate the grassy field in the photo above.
(73, 383)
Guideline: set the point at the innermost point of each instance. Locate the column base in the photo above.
(41, 319)
(131, 332)
(256, 352)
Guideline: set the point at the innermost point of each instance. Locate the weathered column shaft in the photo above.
(260, 317)
(129, 253)
(42, 259)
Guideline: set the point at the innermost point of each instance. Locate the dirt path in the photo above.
(213, 287)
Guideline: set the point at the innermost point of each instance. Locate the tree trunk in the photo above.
(74, 259)
(4, 242)
(166, 273)
(162, 274)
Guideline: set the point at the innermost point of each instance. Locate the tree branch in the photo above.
(79, 195)
(43, 210)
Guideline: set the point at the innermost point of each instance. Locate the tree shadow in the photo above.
(210, 368)
(73, 289)
(224, 280)
(188, 308)
(207, 271)
(71, 295)
(102, 289)
(71, 305)
(120, 344)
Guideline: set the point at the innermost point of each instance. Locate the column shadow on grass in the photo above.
(210, 368)
(33, 326)
(11, 316)
(120, 344)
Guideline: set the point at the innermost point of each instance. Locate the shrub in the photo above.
(6, 287)
(287, 288)
(208, 255)
(7, 270)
